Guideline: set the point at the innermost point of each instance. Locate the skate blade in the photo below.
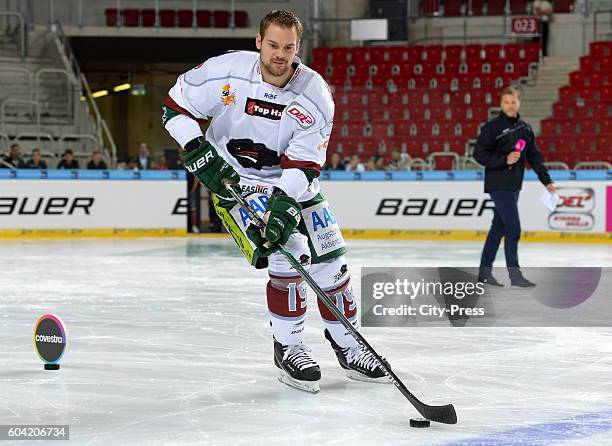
(306, 386)
(357, 376)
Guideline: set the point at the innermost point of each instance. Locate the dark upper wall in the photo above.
(154, 50)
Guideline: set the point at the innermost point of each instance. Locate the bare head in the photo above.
(143, 149)
(96, 156)
(15, 151)
(510, 102)
(278, 42)
(36, 155)
(68, 155)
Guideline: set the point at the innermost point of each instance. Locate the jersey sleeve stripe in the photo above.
(286, 163)
(171, 103)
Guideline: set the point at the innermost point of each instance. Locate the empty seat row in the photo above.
(455, 8)
(170, 18)
(429, 53)
(560, 126)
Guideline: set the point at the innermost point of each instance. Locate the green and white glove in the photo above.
(211, 169)
(283, 215)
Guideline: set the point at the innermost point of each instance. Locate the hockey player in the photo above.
(271, 122)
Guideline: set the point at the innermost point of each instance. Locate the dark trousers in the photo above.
(506, 224)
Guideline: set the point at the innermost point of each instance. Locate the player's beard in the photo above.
(276, 70)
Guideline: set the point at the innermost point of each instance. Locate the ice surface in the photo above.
(169, 343)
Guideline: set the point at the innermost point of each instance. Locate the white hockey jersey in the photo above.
(266, 133)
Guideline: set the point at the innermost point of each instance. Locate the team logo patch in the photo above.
(228, 96)
(300, 114)
(264, 109)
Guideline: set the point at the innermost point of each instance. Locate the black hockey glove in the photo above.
(210, 168)
(283, 215)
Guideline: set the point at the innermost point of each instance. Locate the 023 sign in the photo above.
(524, 25)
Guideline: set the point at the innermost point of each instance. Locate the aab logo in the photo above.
(299, 113)
(322, 218)
(228, 96)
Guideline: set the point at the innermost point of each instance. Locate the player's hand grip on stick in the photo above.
(211, 169)
(441, 414)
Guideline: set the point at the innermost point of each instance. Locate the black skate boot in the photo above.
(297, 368)
(358, 363)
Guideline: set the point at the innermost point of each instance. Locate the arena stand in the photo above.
(579, 133)
(425, 100)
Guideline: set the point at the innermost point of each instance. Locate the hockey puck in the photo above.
(419, 422)
(52, 366)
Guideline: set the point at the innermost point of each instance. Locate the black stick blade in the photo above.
(440, 414)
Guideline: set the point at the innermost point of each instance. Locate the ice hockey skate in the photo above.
(296, 367)
(358, 363)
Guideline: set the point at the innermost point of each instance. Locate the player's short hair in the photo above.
(510, 90)
(35, 151)
(281, 17)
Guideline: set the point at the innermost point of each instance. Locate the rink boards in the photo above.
(151, 205)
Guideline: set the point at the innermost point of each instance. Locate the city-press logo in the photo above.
(300, 114)
(228, 96)
(574, 210)
(50, 340)
(264, 109)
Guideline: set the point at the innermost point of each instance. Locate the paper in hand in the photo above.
(549, 200)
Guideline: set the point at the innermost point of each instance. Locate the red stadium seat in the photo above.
(319, 55)
(340, 55)
(601, 49)
(430, 7)
(185, 18)
(453, 53)
(496, 7)
(477, 7)
(167, 18)
(148, 18)
(131, 17)
(452, 8)
(518, 7)
(433, 53)
(473, 52)
(492, 51)
(532, 52)
(241, 19)
(221, 18)
(564, 6)
(203, 20)
(112, 17)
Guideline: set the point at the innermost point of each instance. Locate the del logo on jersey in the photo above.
(300, 114)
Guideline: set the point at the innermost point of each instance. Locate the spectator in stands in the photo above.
(68, 161)
(398, 161)
(355, 165)
(36, 161)
(96, 162)
(504, 146)
(142, 161)
(335, 163)
(13, 159)
(162, 164)
(543, 9)
(374, 163)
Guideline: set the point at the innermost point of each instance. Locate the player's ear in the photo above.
(258, 41)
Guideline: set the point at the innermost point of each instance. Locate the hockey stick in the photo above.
(441, 414)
